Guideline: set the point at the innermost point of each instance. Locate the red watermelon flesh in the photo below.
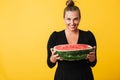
(72, 47)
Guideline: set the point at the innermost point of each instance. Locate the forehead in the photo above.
(72, 14)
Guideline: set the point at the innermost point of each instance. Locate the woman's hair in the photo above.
(70, 6)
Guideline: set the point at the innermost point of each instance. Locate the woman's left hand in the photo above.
(91, 56)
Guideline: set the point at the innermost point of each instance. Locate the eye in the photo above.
(76, 18)
(68, 19)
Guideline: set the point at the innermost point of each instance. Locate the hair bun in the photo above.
(70, 3)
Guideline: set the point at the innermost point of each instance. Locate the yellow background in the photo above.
(25, 26)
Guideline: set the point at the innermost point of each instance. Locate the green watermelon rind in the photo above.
(74, 55)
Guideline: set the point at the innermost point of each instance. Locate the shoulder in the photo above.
(55, 33)
(83, 31)
(90, 36)
(59, 32)
(88, 32)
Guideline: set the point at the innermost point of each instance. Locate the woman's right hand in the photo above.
(54, 57)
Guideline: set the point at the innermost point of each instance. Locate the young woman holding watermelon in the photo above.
(72, 70)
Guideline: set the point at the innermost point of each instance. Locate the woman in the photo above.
(72, 70)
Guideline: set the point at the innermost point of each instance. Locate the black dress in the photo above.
(71, 70)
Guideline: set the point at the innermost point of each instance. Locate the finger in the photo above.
(91, 56)
(52, 50)
(56, 55)
(87, 56)
(94, 48)
(92, 53)
(60, 59)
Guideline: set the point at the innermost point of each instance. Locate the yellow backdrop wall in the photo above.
(25, 26)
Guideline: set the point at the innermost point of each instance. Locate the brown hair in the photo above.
(70, 6)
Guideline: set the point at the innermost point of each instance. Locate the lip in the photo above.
(72, 26)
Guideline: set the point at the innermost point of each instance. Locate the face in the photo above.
(72, 20)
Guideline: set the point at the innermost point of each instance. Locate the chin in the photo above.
(72, 29)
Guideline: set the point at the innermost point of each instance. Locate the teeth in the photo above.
(72, 26)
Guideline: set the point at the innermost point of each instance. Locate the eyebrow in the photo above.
(74, 18)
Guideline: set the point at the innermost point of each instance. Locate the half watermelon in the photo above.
(72, 52)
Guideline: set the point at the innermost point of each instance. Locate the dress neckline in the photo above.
(66, 37)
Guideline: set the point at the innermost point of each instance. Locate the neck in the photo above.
(73, 32)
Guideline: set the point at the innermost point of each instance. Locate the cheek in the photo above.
(77, 22)
(67, 22)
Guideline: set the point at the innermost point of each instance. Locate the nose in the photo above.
(72, 22)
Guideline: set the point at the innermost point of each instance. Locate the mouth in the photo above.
(72, 26)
